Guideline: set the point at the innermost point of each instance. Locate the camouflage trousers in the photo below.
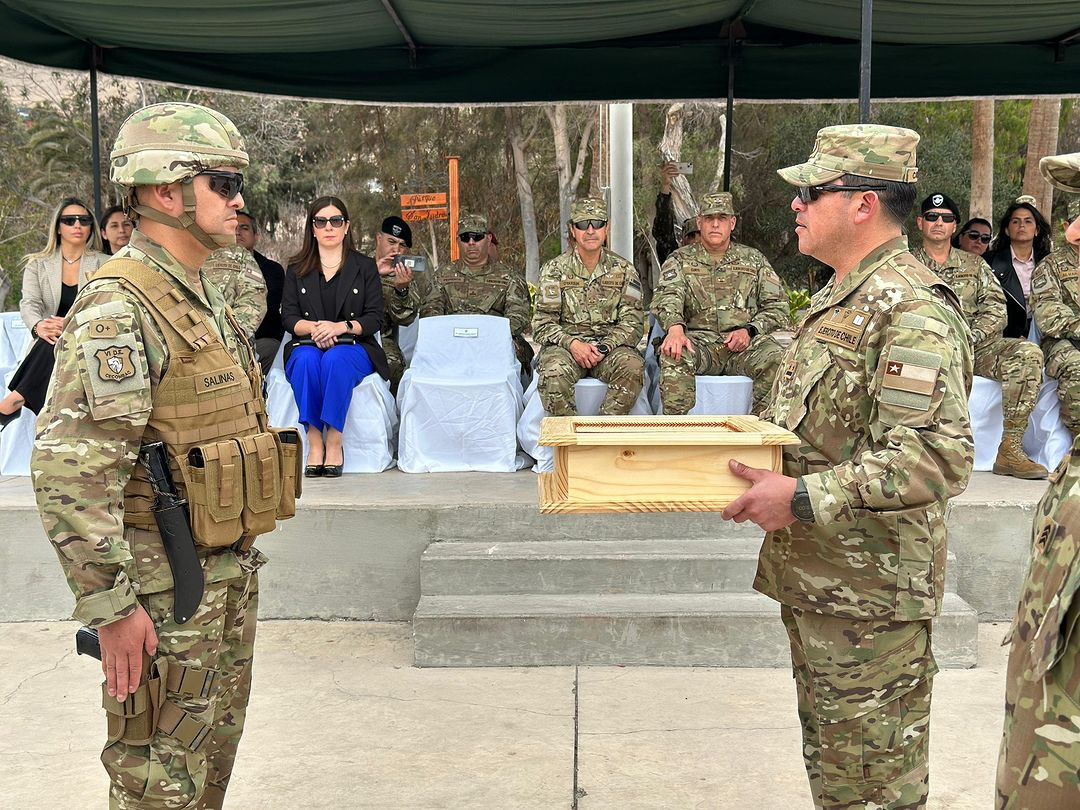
(759, 361)
(1039, 763)
(395, 360)
(623, 370)
(167, 773)
(864, 706)
(1018, 365)
(1063, 364)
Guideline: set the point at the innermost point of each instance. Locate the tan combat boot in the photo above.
(1012, 460)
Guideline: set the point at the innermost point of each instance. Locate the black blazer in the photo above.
(1018, 323)
(359, 298)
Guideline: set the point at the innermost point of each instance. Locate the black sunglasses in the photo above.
(808, 194)
(585, 224)
(321, 222)
(71, 219)
(976, 236)
(472, 236)
(227, 184)
(934, 216)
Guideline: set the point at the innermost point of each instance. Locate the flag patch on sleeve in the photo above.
(910, 377)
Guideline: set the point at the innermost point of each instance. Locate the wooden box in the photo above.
(653, 463)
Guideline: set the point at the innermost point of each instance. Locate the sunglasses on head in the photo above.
(976, 236)
(585, 224)
(934, 216)
(227, 184)
(472, 236)
(73, 219)
(808, 194)
(321, 222)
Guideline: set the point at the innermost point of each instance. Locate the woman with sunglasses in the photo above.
(1022, 242)
(974, 236)
(333, 306)
(115, 229)
(51, 278)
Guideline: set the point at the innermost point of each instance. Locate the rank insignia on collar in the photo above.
(114, 363)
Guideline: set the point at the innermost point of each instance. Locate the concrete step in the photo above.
(701, 629)
(676, 566)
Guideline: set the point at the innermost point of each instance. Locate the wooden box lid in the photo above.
(562, 431)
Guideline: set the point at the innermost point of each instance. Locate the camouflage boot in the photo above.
(1012, 460)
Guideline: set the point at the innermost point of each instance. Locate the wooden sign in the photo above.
(421, 214)
(425, 200)
(653, 463)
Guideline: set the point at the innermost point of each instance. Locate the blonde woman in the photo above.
(51, 280)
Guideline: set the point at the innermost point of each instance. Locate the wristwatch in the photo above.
(348, 326)
(603, 348)
(801, 507)
(751, 329)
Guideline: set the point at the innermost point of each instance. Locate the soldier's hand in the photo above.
(122, 645)
(404, 276)
(768, 501)
(675, 343)
(585, 354)
(737, 341)
(386, 265)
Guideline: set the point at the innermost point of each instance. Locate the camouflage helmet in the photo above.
(1062, 171)
(164, 143)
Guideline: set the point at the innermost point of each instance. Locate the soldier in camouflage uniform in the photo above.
(175, 718)
(1016, 363)
(234, 271)
(475, 285)
(401, 292)
(1039, 764)
(718, 301)
(1055, 302)
(589, 318)
(875, 386)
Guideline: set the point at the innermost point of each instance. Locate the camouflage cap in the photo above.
(1062, 171)
(719, 202)
(472, 223)
(588, 208)
(690, 226)
(866, 150)
(167, 142)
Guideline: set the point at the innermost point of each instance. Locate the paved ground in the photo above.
(341, 719)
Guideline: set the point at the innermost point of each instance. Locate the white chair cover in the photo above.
(17, 439)
(15, 339)
(728, 395)
(407, 339)
(984, 407)
(589, 395)
(460, 399)
(1046, 439)
(371, 424)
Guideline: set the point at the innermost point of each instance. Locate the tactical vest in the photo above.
(238, 475)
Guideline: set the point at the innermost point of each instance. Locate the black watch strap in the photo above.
(752, 330)
(348, 326)
(801, 507)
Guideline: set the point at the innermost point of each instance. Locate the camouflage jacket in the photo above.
(602, 306)
(1055, 295)
(1047, 616)
(87, 444)
(400, 306)
(977, 288)
(875, 386)
(234, 270)
(703, 294)
(491, 290)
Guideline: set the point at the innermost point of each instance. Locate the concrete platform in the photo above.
(353, 551)
(340, 720)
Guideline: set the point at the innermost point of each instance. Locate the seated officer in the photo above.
(1055, 301)
(478, 285)
(1016, 363)
(401, 292)
(718, 301)
(234, 270)
(589, 318)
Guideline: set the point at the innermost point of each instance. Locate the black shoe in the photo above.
(334, 470)
(7, 418)
(314, 471)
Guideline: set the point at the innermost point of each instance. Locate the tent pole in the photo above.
(621, 174)
(95, 129)
(730, 104)
(864, 60)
